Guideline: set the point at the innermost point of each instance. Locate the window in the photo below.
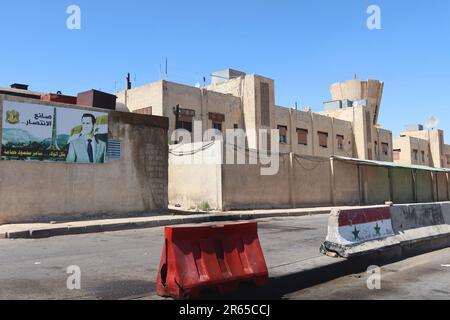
(217, 126)
(236, 126)
(184, 124)
(423, 156)
(396, 154)
(448, 159)
(283, 134)
(302, 136)
(323, 139)
(217, 120)
(376, 148)
(415, 155)
(385, 148)
(185, 117)
(340, 142)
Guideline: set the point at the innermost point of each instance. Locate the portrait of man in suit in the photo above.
(87, 148)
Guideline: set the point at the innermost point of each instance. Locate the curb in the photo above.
(78, 230)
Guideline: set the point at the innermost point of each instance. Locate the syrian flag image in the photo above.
(365, 225)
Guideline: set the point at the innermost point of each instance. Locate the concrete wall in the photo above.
(425, 186)
(347, 187)
(302, 181)
(403, 188)
(137, 183)
(195, 181)
(245, 188)
(150, 95)
(375, 184)
(311, 182)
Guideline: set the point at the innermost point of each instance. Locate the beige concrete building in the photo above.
(346, 128)
(422, 147)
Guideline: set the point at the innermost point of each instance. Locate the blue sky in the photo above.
(303, 45)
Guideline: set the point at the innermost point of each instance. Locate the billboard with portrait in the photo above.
(35, 132)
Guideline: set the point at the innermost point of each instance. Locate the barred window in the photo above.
(302, 136)
(283, 134)
(323, 139)
(340, 142)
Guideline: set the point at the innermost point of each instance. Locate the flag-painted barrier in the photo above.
(353, 232)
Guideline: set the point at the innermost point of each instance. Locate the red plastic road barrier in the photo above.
(210, 257)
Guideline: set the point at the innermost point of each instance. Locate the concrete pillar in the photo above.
(436, 183)
(293, 129)
(448, 186)
(333, 183)
(391, 185)
(291, 180)
(360, 191)
(413, 173)
(313, 135)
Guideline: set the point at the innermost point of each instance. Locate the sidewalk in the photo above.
(177, 217)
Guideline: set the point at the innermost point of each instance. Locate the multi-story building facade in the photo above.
(234, 100)
(422, 147)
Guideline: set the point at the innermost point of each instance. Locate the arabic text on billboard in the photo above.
(36, 132)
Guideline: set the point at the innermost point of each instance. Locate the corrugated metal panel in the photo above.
(387, 164)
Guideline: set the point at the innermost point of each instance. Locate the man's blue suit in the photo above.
(78, 151)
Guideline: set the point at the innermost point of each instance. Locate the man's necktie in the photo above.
(90, 151)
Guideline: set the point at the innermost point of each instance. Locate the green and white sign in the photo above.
(35, 132)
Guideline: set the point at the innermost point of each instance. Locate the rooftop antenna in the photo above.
(167, 69)
(432, 123)
(296, 105)
(128, 84)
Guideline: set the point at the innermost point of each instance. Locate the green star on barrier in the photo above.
(378, 230)
(356, 234)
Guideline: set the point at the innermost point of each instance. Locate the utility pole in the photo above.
(177, 117)
(128, 84)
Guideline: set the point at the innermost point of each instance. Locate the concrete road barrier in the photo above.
(409, 228)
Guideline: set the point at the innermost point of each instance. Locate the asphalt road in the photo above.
(123, 265)
(425, 277)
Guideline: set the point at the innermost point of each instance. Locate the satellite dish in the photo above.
(432, 123)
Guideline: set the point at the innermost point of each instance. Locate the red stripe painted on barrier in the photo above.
(354, 217)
